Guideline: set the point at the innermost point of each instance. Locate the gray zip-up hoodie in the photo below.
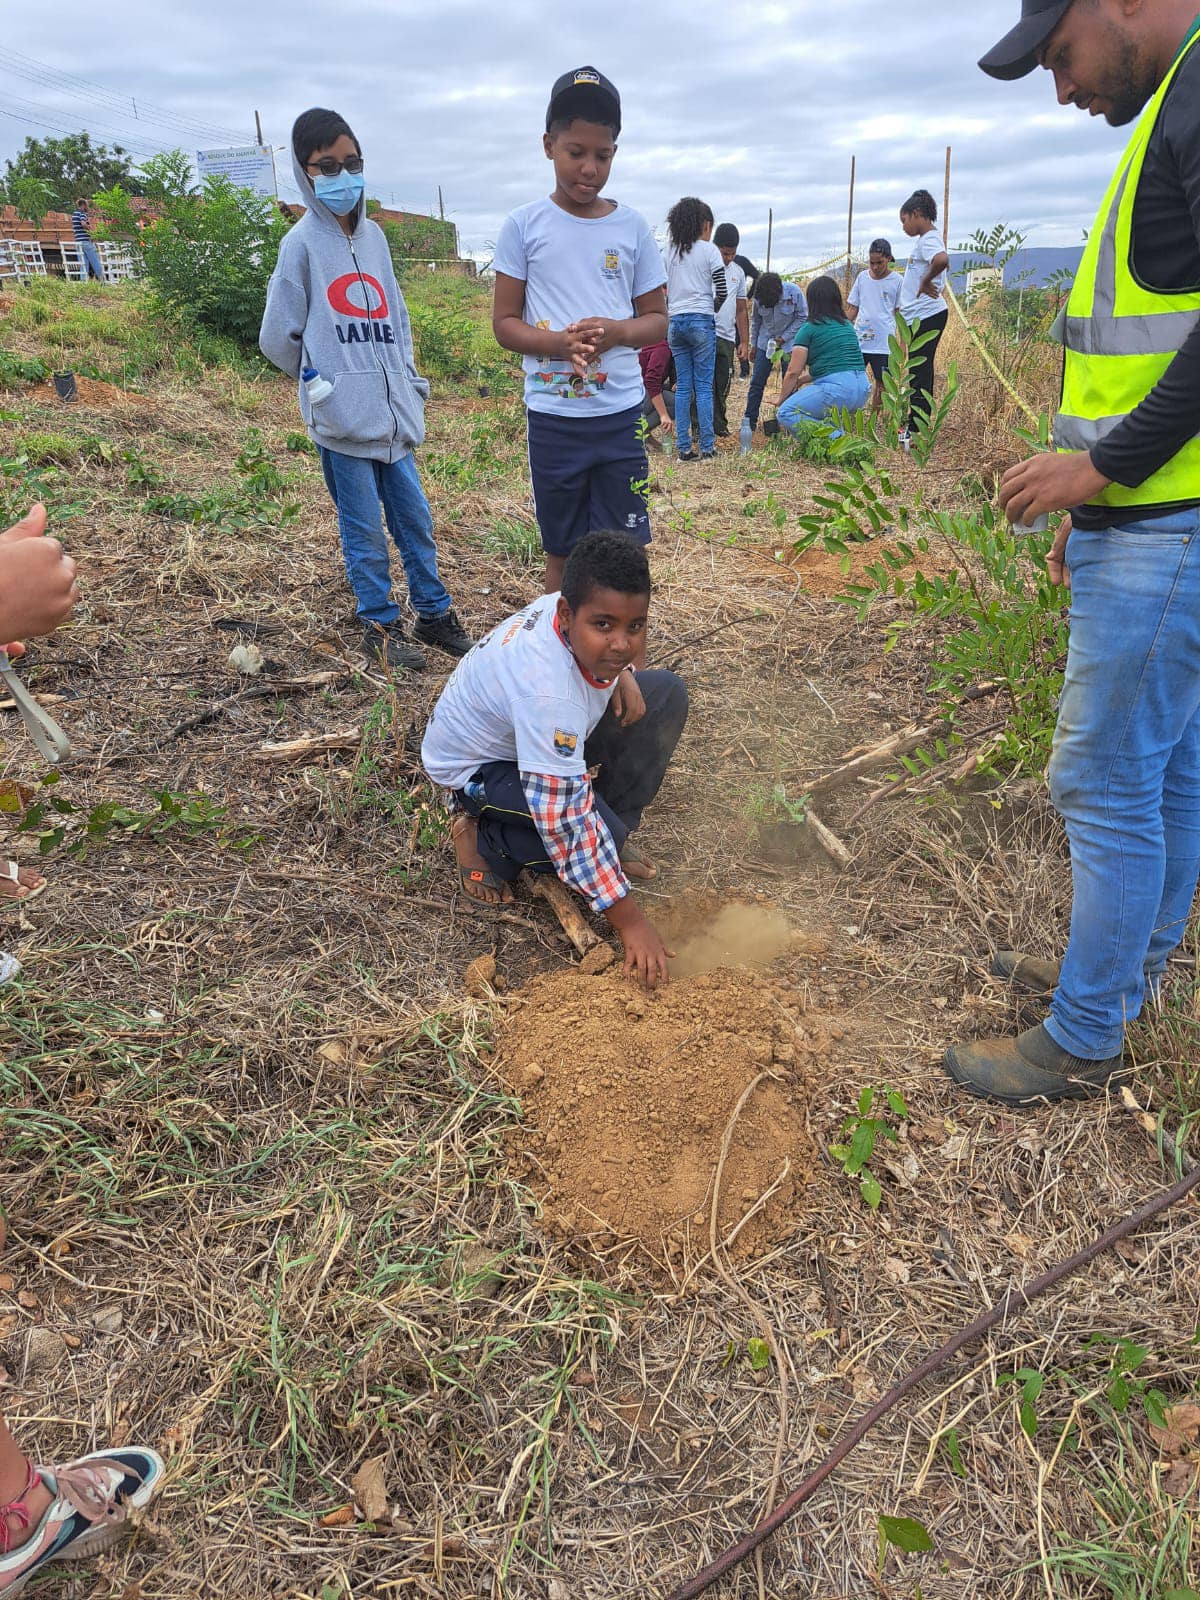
(333, 303)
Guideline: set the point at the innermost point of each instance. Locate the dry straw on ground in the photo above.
(254, 1148)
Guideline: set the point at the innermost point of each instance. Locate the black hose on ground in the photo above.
(1015, 1300)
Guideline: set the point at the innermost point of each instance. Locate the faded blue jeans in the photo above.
(818, 400)
(693, 341)
(360, 490)
(1125, 770)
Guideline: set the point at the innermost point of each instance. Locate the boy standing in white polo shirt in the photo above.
(579, 290)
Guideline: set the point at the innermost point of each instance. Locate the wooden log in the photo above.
(546, 886)
(827, 839)
(311, 744)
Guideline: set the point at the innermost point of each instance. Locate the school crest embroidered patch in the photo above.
(565, 743)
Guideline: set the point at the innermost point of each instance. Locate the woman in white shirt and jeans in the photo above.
(695, 293)
(921, 299)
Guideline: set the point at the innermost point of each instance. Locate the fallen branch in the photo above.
(256, 691)
(1014, 1301)
(311, 744)
(827, 839)
(558, 897)
(878, 755)
(963, 770)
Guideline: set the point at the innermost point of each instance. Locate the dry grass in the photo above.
(247, 1107)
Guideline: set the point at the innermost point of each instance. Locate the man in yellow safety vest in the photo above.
(1125, 770)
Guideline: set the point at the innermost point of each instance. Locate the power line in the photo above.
(123, 105)
(137, 145)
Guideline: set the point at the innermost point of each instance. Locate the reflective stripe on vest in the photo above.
(1121, 337)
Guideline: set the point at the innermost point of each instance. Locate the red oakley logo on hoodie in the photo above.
(360, 330)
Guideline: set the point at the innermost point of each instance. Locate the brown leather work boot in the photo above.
(1025, 972)
(1029, 1068)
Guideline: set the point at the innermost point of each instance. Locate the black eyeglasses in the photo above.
(329, 168)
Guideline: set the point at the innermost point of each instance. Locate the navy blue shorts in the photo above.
(588, 473)
(876, 365)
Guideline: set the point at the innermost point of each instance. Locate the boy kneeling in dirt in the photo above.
(553, 691)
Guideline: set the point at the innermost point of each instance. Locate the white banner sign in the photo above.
(249, 166)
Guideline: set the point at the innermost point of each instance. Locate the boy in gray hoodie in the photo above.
(335, 313)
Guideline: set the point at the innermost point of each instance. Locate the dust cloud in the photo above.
(735, 936)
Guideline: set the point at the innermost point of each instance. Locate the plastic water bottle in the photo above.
(745, 436)
(319, 388)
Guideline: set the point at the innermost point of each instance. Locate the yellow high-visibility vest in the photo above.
(1121, 337)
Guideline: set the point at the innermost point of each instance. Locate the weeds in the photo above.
(1013, 626)
(257, 499)
(54, 818)
(865, 1132)
(15, 369)
(515, 538)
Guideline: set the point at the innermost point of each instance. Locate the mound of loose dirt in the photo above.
(627, 1097)
(91, 392)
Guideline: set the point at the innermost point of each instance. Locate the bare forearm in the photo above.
(649, 328)
(514, 333)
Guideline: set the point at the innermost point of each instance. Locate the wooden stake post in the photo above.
(850, 226)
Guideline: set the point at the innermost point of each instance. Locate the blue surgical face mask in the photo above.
(340, 194)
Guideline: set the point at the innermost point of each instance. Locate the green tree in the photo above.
(69, 167)
(32, 198)
(208, 253)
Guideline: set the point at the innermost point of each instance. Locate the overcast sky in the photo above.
(750, 107)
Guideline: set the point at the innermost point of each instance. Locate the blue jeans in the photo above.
(693, 341)
(837, 391)
(91, 260)
(359, 487)
(1125, 770)
(764, 365)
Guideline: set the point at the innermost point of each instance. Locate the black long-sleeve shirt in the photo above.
(1165, 258)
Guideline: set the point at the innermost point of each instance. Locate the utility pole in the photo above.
(441, 207)
(770, 231)
(259, 141)
(946, 203)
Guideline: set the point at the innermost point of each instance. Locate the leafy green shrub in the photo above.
(210, 254)
(1015, 629)
(15, 369)
(418, 240)
(823, 444)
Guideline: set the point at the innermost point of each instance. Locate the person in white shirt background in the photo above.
(921, 298)
(695, 293)
(733, 325)
(871, 307)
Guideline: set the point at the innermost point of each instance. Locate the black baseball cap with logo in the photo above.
(1017, 53)
(585, 93)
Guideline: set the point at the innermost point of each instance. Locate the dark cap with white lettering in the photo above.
(1017, 53)
(586, 94)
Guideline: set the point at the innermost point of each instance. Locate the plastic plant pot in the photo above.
(64, 385)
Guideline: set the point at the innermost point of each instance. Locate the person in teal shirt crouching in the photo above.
(826, 374)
